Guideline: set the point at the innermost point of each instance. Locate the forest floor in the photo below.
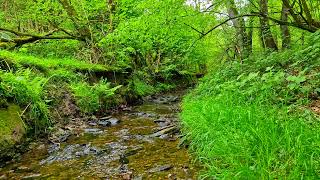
(139, 142)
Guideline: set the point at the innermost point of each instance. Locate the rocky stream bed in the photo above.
(140, 142)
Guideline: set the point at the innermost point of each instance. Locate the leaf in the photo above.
(297, 79)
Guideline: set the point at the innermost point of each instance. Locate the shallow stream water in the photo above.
(140, 142)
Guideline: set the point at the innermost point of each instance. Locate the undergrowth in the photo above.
(40, 87)
(251, 121)
(94, 98)
(22, 83)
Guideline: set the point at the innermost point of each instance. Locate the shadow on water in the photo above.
(124, 146)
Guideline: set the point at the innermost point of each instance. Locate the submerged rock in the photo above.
(108, 122)
(166, 131)
(53, 148)
(72, 152)
(93, 131)
(3, 177)
(166, 99)
(133, 150)
(160, 168)
(114, 121)
(32, 176)
(23, 169)
(92, 124)
(144, 115)
(60, 136)
(105, 123)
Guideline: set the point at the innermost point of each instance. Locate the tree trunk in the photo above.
(112, 8)
(286, 36)
(243, 38)
(267, 36)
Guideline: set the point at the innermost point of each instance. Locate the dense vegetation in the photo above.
(253, 115)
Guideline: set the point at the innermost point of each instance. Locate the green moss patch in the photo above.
(45, 64)
(11, 126)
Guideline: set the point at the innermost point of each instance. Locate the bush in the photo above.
(92, 98)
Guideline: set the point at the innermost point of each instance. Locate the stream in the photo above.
(139, 142)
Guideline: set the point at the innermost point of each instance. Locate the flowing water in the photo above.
(138, 143)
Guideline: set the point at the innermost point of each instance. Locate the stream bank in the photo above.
(139, 142)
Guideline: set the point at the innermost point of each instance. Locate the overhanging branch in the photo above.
(24, 38)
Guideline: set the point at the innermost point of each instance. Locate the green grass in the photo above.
(239, 140)
(251, 121)
(51, 63)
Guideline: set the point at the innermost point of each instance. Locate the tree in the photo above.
(267, 37)
(244, 38)
(286, 36)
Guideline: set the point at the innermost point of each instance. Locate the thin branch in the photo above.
(194, 28)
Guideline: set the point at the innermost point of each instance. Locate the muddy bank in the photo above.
(139, 142)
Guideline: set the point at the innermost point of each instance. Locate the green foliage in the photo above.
(154, 37)
(92, 98)
(27, 90)
(246, 121)
(141, 88)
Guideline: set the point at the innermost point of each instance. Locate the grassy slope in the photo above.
(248, 121)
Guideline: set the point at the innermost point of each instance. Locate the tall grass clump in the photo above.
(250, 121)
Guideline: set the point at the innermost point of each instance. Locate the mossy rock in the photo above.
(12, 130)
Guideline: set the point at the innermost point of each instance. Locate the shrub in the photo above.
(92, 98)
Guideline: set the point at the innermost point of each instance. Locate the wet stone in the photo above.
(160, 168)
(134, 150)
(105, 118)
(144, 138)
(114, 121)
(72, 152)
(93, 131)
(109, 122)
(92, 124)
(22, 169)
(166, 99)
(144, 115)
(53, 148)
(105, 123)
(60, 135)
(32, 176)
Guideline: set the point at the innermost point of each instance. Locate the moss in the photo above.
(12, 128)
(47, 64)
